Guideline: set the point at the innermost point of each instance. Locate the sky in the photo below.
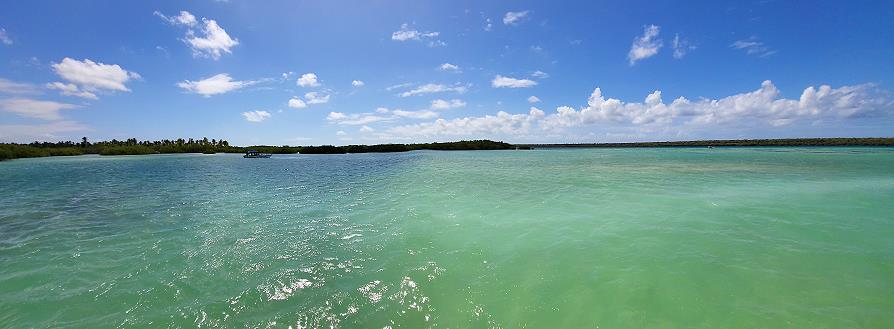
(352, 72)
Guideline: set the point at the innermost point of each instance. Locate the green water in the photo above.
(591, 238)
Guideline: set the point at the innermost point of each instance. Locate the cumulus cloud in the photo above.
(36, 109)
(646, 45)
(297, 103)
(70, 89)
(405, 33)
(256, 116)
(753, 46)
(4, 37)
(88, 77)
(764, 105)
(210, 41)
(533, 99)
(441, 104)
(219, 84)
(308, 80)
(357, 83)
(506, 82)
(681, 46)
(514, 17)
(449, 67)
(433, 88)
(315, 97)
(761, 109)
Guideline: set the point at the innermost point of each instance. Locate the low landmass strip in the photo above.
(133, 146)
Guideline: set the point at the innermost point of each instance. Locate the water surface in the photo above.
(587, 238)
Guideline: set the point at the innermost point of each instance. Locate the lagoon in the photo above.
(550, 238)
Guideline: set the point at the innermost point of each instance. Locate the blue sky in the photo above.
(343, 72)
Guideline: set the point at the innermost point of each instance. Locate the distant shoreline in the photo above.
(788, 142)
(10, 151)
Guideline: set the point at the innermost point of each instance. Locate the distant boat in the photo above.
(255, 154)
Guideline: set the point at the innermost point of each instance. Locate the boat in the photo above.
(256, 154)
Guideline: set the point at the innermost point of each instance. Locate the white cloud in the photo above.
(760, 110)
(488, 26)
(366, 129)
(37, 109)
(341, 133)
(23, 133)
(406, 33)
(90, 77)
(433, 88)
(316, 97)
(218, 84)
(12, 87)
(506, 82)
(681, 46)
(357, 83)
(646, 45)
(184, 18)
(514, 17)
(763, 106)
(540, 74)
(382, 110)
(308, 80)
(213, 42)
(297, 103)
(4, 37)
(533, 99)
(421, 114)
(440, 104)
(256, 116)
(488, 125)
(398, 86)
(70, 89)
(449, 67)
(354, 118)
(753, 46)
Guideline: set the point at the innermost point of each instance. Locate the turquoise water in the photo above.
(589, 238)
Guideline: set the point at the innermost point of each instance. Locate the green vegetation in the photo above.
(133, 146)
(738, 142)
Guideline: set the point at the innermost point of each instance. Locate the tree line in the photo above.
(133, 146)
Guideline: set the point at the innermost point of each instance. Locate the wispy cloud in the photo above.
(218, 84)
(645, 46)
(36, 109)
(753, 46)
(500, 81)
(406, 33)
(256, 116)
(681, 46)
(434, 88)
(514, 17)
(4, 37)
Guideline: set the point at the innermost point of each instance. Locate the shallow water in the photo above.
(596, 238)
